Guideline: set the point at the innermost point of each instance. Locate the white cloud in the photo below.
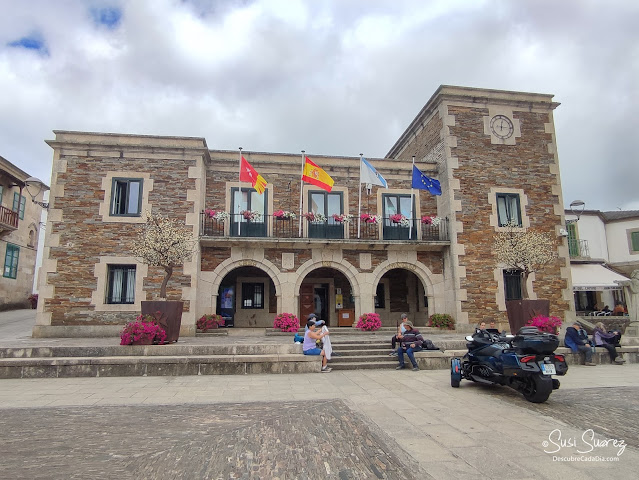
(331, 77)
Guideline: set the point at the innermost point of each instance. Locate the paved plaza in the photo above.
(341, 425)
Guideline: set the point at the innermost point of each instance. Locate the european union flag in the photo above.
(424, 182)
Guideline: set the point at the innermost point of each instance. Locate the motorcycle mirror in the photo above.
(510, 336)
(469, 338)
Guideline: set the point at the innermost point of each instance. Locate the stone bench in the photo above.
(162, 365)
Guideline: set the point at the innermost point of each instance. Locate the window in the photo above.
(512, 284)
(380, 301)
(126, 197)
(508, 209)
(398, 205)
(327, 204)
(19, 203)
(1, 192)
(252, 295)
(121, 284)
(634, 240)
(11, 261)
(247, 199)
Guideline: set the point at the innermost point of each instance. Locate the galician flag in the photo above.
(250, 175)
(316, 176)
(368, 174)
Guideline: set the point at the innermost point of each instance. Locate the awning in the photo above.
(589, 277)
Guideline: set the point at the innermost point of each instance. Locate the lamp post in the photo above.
(32, 184)
(577, 207)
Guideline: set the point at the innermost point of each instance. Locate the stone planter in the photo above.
(520, 311)
(167, 313)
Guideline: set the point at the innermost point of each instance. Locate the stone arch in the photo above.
(419, 269)
(343, 267)
(231, 264)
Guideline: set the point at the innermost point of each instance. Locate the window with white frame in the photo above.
(120, 284)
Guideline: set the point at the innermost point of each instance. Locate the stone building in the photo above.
(492, 151)
(19, 233)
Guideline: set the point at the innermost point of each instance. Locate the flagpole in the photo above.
(410, 229)
(359, 194)
(239, 190)
(301, 189)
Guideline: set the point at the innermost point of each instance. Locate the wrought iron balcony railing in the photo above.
(268, 226)
(578, 248)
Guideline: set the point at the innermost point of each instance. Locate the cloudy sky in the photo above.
(335, 77)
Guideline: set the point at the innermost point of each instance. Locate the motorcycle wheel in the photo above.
(537, 388)
(455, 373)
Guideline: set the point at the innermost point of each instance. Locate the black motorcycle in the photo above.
(524, 362)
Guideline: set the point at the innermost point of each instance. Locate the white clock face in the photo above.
(501, 126)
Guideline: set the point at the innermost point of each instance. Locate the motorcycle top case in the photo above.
(535, 342)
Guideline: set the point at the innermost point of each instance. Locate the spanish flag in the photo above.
(315, 175)
(248, 174)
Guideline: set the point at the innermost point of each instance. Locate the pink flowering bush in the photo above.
(545, 324)
(366, 218)
(143, 330)
(287, 322)
(207, 322)
(369, 322)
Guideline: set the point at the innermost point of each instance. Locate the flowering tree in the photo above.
(163, 243)
(524, 250)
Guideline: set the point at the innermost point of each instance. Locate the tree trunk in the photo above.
(524, 285)
(169, 272)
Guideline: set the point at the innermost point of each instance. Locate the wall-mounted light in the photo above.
(33, 184)
(577, 207)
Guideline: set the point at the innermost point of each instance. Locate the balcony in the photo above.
(8, 219)
(578, 248)
(274, 229)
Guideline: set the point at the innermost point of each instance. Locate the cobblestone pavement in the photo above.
(612, 412)
(289, 440)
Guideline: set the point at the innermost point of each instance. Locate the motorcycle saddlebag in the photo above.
(538, 343)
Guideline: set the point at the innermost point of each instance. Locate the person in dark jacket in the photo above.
(410, 341)
(578, 343)
(603, 339)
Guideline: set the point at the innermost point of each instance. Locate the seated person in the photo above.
(606, 309)
(603, 339)
(410, 341)
(481, 326)
(576, 342)
(394, 339)
(619, 309)
(492, 327)
(309, 346)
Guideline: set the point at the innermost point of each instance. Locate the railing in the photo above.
(578, 248)
(8, 218)
(269, 226)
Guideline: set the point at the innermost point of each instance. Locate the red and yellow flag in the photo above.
(315, 175)
(249, 174)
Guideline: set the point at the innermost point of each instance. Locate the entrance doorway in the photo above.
(314, 298)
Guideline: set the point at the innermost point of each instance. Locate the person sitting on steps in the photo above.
(575, 341)
(602, 339)
(309, 346)
(410, 341)
(393, 352)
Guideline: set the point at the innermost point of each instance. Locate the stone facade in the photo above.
(480, 144)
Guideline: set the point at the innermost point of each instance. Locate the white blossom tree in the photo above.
(524, 250)
(164, 243)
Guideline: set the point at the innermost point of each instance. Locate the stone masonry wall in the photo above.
(482, 165)
(84, 236)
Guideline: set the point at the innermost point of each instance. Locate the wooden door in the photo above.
(307, 304)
